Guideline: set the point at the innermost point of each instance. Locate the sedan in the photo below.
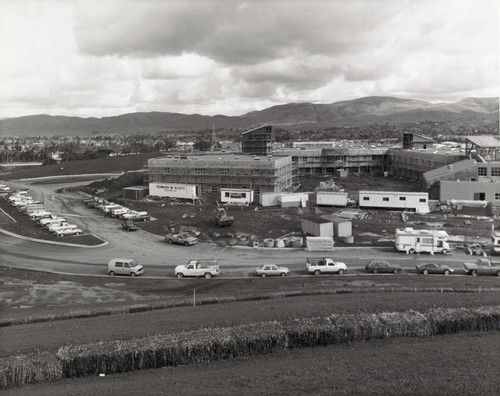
(271, 270)
(379, 266)
(67, 231)
(432, 268)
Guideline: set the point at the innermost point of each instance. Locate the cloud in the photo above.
(95, 57)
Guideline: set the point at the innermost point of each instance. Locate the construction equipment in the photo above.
(129, 225)
(222, 218)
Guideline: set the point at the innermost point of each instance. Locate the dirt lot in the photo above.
(255, 223)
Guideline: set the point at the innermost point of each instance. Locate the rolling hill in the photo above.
(363, 111)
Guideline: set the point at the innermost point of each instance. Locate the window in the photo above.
(385, 199)
(497, 196)
(256, 172)
(199, 171)
(402, 198)
(224, 171)
(226, 195)
(422, 200)
(215, 189)
(366, 198)
(482, 171)
(495, 171)
(119, 264)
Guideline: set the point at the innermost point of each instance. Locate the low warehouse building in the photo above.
(135, 192)
(317, 226)
(342, 227)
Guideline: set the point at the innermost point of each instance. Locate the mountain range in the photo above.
(357, 112)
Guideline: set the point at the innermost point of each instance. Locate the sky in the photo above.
(98, 58)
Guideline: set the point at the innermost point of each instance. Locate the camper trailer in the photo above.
(421, 241)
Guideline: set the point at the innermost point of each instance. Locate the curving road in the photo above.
(160, 258)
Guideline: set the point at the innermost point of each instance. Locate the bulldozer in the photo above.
(222, 218)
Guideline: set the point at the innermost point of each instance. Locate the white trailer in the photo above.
(417, 201)
(238, 196)
(419, 241)
(173, 190)
(331, 198)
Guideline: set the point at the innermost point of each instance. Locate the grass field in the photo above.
(257, 300)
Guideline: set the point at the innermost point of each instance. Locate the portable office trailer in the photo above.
(239, 196)
(290, 200)
(173, 190)
(416, 201)
(331, 198)
(269, 198)
(284, 200)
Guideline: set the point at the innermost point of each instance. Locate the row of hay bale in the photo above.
(207, 345)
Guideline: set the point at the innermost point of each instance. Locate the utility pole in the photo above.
(213, 137)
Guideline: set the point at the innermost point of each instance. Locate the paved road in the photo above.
(160, 258)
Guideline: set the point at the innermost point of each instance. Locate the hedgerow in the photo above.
(206, 345)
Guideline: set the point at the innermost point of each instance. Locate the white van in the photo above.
(122, 266)
(118, 211)
(110, 207)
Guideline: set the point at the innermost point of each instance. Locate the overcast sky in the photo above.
(105, 57)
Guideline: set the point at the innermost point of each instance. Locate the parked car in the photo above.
(324, 265)
(433, 268)
(61, 232)
(182, 238)
(58, 226)
(380, 266)
(47, 221)
(482, 266)
(124, 266)
(271, 270)
(40, 214)
(205, 267)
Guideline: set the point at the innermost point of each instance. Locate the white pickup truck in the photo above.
(324, 265)
(206, 268)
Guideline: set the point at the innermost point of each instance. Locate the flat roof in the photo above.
(136, 188)
(222, 156)
(393, 192)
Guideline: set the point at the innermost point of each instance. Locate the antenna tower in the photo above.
(213, 137)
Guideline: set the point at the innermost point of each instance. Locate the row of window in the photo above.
(387, 199)
(483, 171)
